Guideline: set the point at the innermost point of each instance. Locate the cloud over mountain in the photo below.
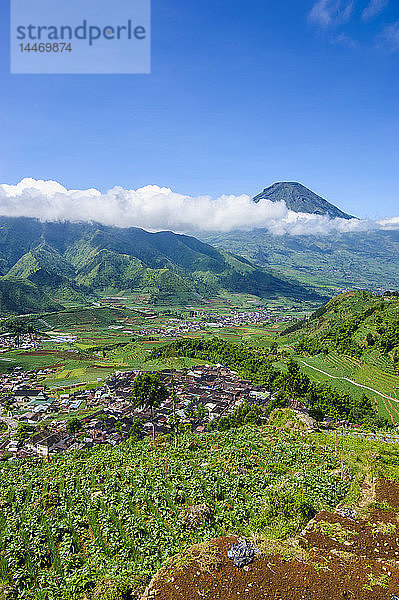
(159, 208)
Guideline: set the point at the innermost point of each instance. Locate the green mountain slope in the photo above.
(71, 260)
(352, 344)
(47, 269)
(368, 259)
(22, 296)
(108, 269)
(299, 198)
(42, 258)
(355, 324)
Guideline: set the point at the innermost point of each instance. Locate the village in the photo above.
(37, 422)
(210, 320)
(8, 342)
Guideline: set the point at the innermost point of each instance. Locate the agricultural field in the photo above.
(116, 514)
(121, 333)
(99, 523)
(352, 344)
(371, 374)
(103, 326)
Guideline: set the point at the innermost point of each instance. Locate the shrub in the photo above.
(284, 513)
(118, 588)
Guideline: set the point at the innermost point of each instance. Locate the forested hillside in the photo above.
(354, 323)
(290, 384)
(72, 261)
(21, 296)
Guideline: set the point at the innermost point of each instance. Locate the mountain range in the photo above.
(44, 265)
(333, 261)
(71, 262)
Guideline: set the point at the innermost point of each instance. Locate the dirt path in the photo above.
(365, 387)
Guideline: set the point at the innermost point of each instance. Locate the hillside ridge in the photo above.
(74, 261)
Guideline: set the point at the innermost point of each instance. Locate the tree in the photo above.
(73, 426)
(118, 427)
(31, 330)
(149, 392)
(278, 401)
(273, 348)
(189, 410)
(294, 384)
(362, 410)
(201, 412)
(17, 328)
(174, 419)
(135, 429)
(24, 430)
(242, 414)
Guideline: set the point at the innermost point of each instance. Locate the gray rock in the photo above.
(242, 553)
(348, 513)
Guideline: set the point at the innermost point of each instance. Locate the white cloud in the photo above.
(392, 223)
(390, 37)
(344, 40)
(155, 208)
(330, 12)
(373, 9)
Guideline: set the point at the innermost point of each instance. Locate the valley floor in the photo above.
(81, 349)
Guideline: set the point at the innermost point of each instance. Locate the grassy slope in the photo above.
(334, 261)
(374, 312)
(112, 514)
(375, 369)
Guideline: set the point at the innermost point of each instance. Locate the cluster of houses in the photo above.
(27, 341)
(15, 378)
(27, 401)
(202, 394)
(56, 438)
(237, 319)
(108, 413)
(213, 320)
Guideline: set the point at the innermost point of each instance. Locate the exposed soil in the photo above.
(340, 558)
(39, 352)
(387, 491)
(59, 354)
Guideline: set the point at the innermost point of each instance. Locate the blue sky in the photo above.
(241, 94)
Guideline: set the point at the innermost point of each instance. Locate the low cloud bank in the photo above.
(156, 208)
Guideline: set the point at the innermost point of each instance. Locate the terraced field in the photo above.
(372, 375)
